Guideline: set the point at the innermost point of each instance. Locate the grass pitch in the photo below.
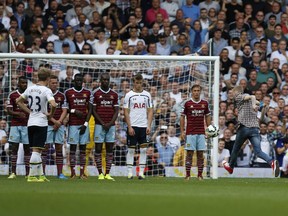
(153, 196)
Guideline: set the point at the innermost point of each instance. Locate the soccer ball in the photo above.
(212, 131)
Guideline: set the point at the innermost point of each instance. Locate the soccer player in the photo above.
(195, 110)
(38, 97)
(56, 129)
(247, 106)
(105, 111)
(79, 102)
(138, 112)
(18, 130)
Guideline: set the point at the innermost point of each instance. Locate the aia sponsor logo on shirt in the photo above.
(139, 105)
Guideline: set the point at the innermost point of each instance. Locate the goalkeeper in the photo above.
(247, 106)
(195, 110)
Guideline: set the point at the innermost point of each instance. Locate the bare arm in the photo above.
(153, 138)
(279, 80)
(182, 127)
(20, 102)
(123, 29)
(13, 113)
(53, 105)
(131, 131)
(150, 118)
(208, 120)
(89, 112)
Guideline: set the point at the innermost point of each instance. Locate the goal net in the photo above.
(167, 78)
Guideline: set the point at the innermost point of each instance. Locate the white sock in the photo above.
(40, 167)
(142, 160)
(34, 163)
(130, 160)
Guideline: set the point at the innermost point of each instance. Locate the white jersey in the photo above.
(138, 103)
(38, 97)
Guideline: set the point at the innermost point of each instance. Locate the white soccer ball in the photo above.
(212, 130)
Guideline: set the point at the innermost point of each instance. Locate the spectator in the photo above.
(267, 146)
(171, 8)
(218, 42)
(96, 21)
(79, 40)
(22, 19)
(163, 48)
(223, 154)
(82, 24)
(63, 39)
(165, 151)
(153, 168)
(153, 11)
(191, 10)
(229, 143)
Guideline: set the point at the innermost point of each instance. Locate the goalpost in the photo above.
(165, 77)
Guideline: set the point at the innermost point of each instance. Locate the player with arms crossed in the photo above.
(56, 129)
(38, 97)
(247, 106)
(18, 130)
(105, 111)
(195, 110)
(138, 112)
(79, 101)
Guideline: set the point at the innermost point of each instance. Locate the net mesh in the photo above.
(169, 83)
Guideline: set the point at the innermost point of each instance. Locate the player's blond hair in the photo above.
(237, 90)
(44, 74)
(196, 86)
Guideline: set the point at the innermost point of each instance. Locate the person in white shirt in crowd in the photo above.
(101, 45)
(281, 53)
(175, 93)
(223, 154)
(51, 36)
(91, 37)
(234, 50)
(5, 20)
(132, 41)
(171, 8)
(101, 5)
(88, 10)
(75, 20)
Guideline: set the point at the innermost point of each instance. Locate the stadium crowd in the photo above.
(249, 36)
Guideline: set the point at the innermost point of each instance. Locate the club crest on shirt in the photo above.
(203, 106)
(84, 95)
(112, 97)
(191, 106)
(59, 99)
(73, 95)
